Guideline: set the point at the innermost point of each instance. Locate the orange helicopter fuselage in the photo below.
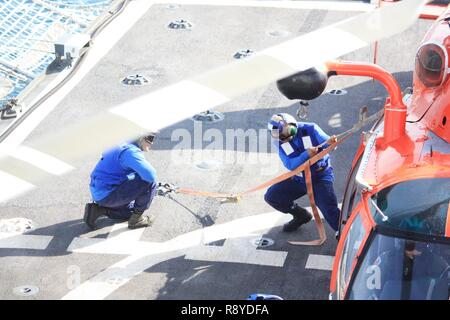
(411, 142)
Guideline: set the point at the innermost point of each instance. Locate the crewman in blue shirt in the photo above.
(297, 142)
(123, 185)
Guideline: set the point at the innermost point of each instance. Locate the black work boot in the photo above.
(301, 216)
(138, 220)
(92, 212)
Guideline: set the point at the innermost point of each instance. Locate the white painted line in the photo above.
(41, 160)
(198, 271)
(108, 281)
(320, 262)
(141, 111)
(24, 241)
(145, 255)
(334, 36)
(238, 251)
(335, 121)
(11, 186)
(318, 5)
(127, 242)
(115, 246)
(121, 231)
(234, 229)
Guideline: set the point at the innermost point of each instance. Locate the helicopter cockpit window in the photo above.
(416, 205)
(352, 244)
(395, 268)
(431, 64)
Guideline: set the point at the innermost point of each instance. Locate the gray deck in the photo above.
(219, 270)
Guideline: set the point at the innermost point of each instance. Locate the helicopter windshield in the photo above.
(395, 268)
(419, 206)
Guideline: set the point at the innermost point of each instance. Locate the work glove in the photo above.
(332, 139)
(312, 151)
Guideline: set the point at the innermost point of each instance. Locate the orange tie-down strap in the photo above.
(317, 219)
(235, 197)
(304, 167)
(230, 197)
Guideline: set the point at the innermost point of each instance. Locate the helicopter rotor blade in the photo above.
(19, 173)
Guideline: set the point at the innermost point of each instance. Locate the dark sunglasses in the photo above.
(149, 139)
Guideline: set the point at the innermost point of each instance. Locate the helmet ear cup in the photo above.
(293, 130)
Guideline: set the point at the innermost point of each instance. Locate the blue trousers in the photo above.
(131, 196)
(281, 196)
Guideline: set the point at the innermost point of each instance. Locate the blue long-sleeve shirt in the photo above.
(118, 165)
(135, 160)
(294, 153)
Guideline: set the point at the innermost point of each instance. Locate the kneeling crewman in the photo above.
(123, 185)
(297, 142)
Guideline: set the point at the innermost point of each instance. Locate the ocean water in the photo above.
(28, 30)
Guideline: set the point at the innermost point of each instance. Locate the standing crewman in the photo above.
(298, 142)
(123, 185)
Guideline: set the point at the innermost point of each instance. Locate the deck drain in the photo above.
(337, 92)
(262, 242)
(278, 33)
(208, 165)
(135, 80)
(209, 116)
(180, 24)
(243, 54)
(16, 225)
(26, 291)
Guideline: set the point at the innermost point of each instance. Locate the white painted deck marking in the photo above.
(41, 160)
(238, 251)
(121, 232)
(144, 255)
(24, 241)
(179, 105)
(230, 230)
(320, 262)
(11, 186)
(115, 245)
(335, 121)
